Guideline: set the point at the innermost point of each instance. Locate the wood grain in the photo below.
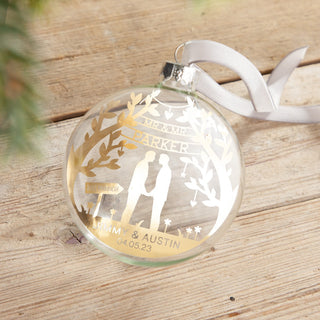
(268, 261)
(96, 48)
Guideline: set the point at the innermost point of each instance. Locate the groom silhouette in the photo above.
(137, 185)
(160, 191)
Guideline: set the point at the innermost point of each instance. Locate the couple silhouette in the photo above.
(137, 188)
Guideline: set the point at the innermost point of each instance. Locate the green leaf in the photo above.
(19, 108)
(10, 29)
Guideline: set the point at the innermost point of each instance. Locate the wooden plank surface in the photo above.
(94, 48)
(268, 261)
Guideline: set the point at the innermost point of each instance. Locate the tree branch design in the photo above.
(77, 157)
(201, 184)
(200, 121)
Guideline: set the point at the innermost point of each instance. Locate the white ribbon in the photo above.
(265, 97)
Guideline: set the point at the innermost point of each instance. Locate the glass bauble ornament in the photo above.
(154, 175)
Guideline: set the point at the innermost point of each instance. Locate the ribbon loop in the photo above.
(265, 97)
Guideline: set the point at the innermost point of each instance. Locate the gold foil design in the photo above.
(77, 157)
(137, 185)
(197, 151)
(103, 188)
(140, 242)
(161, 143)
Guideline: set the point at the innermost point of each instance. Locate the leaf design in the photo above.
(130, 146)
(182, 119)
(152, 110)
(185, 160)
(86, 137)
(190, 102)
(131, 122)
(168, 114)
(138, 98)
(193, 180)
(94, 123)
(130, 106)
(90, 174)
(208, 176)
(191, 186)
(204, 156)
(103, 150)
(135, 99)
(90, 163)
(116, 134)
(195, 161)
(109, 115)
(219, 142)
(148, 99)
(113, 166)
(121, 117)
(228, 157)
(120, 153)
(155, 93)
(222, 130)
(210, 203)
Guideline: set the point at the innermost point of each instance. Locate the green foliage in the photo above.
(19, 109)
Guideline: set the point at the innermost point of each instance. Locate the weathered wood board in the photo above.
(95, 48)
(267, 266)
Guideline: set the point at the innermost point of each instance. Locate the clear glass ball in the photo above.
(153, 175)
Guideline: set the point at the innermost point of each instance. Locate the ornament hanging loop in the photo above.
(176, 52)
(264, 102)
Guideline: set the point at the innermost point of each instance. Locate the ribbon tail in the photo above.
(282, 72)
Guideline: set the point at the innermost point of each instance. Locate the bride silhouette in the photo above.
(137, 185)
